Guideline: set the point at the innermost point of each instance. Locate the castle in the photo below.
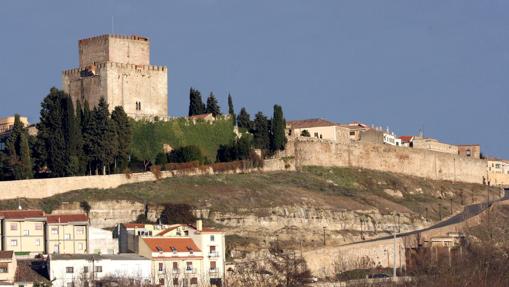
(118, 68)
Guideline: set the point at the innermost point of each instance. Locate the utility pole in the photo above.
(440, 211)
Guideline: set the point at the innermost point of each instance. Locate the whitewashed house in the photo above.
(68, 270)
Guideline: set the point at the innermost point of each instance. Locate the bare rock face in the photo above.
(394, 193)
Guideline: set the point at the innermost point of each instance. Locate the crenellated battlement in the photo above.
(117, 36)
(76, 71)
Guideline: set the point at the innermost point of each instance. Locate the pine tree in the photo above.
(18, 150)
(278, 125)
(244, 119)
(212, 105)
(261, 135)
(196, 105)
(50, 137)
(122, 128)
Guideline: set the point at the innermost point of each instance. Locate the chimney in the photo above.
(199, 225)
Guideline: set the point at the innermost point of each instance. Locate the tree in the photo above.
(261, 134)
(305, 133)
(123, 135)
(231, 111)
(196, 105)
(50, 136)
(186, 154)
(177, 214)
(238, 150)
(244, 119)
(72, 136)
(278, 137)
(18, 151)
(212, 106)
(100, 136)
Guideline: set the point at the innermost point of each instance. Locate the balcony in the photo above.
(190, 270)
(213, 271)
(175, 271)
(213, 254)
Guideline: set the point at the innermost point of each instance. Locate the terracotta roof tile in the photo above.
(167, 244)
(406, 139)
(310, 123)
(31, 271)
(6, 254)
(21, 214)
(66, 218)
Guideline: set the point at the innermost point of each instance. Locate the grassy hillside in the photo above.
(335, 188)
(149, 137)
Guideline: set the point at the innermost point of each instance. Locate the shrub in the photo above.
(177, 213)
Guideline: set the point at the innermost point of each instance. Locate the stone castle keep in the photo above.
(118, 68)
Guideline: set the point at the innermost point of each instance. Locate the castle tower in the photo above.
(118, 68)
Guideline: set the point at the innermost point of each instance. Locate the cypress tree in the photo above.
(196, 105)
(102, 138)
(278, 125)
(50, 137)
(85, 116)
(244, 119)
(122, 128)
(72, 135)
(261, 134)
(213, 106)
(231, 110)
(18, 150)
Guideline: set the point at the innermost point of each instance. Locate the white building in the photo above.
(68, 270)
(101, 241)
(182, 255)
(390, 139)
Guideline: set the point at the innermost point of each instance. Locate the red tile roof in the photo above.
(21, 214)
(6, 254)
(310, 123)
(406, 139)
(134, 225)
(66, 218)
(167, 244)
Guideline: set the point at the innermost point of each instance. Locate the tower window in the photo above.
(138, 106)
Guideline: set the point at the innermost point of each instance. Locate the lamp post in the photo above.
(324, 235)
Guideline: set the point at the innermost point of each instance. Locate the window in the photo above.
(80, 230)
(67, 236)
(316, 135)
(14, 226)
(26, 232)
(175, 267)
(4, 268)
(352, 133)
(38, 226)
(194, 280)
(212, 265)
(69, 269)
(56, 248)
(189, 266)
(80, 246)
(70, 284)
(161, 267)
(138, 106)
(186, 232)
(54, 230)
(85, 269)
(98, 269)
(212, 249)
(175, 282)
(14, 242)
(212, 238)
(37, 242)
(161, 281)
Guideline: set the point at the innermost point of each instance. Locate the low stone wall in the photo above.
(410, 161)
(42, 188)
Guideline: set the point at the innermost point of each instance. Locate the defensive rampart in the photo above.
(416, 162)
(41, 188)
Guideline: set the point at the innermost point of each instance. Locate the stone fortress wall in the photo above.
(118, 68)
(415, 162)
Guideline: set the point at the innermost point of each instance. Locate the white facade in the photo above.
(212, 245)
(101, 241)
(66, 270)
(389, 139)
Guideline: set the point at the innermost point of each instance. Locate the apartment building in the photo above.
(182, 255)
(67, 234)
(23, 231)
(32, 232)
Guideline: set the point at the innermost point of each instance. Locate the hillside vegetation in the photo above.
(149, 137)
(330, 188)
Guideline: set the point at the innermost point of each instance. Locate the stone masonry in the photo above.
(118, 68)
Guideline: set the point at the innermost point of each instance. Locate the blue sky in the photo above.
(438, 65)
